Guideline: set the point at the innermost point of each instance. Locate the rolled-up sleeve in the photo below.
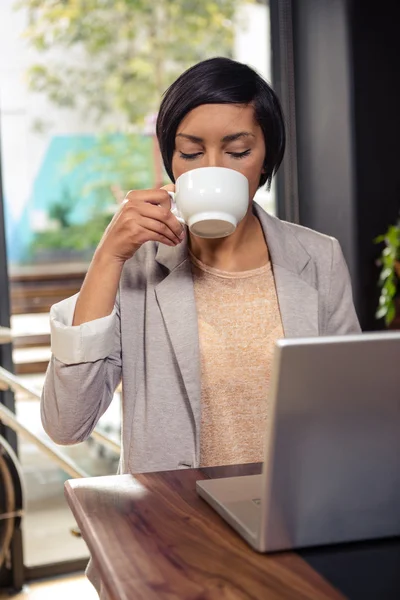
(83, 373)
(89, 342)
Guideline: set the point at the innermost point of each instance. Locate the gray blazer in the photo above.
(151, 339)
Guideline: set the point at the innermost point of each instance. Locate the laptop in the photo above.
(332, 455)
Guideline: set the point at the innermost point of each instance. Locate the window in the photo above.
(78, 97)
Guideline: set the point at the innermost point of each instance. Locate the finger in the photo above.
(157, 237)
(147, 235)
(157, 197)
(164, 215)
(170, 187)
(159, 227)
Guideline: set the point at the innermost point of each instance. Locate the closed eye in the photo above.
(233, 154)
(239, 154)
(190, 156)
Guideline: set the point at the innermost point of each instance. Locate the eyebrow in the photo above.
(228, 138)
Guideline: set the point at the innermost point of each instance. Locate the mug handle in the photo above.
(174, 208)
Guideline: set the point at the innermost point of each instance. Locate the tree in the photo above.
(112, 60)
(117, 57)
(101, 172)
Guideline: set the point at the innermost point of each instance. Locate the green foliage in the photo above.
(61, 209)
(111, 167)
(119, 56)
(79, 236)
(389, 279)
(114, 161)
(69, 235)
(112, 60)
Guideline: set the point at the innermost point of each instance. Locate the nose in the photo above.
(213, 158)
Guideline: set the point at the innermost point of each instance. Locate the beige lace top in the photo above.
(239, 322)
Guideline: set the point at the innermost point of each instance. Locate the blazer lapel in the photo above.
(298, 304)
(175, 296)
(292, 266)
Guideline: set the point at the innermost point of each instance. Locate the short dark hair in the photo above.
(222, 81)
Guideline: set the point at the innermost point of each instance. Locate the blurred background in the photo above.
(80, 85)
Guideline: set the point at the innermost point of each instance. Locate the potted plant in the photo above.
(389, 278)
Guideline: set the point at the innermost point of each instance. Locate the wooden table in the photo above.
(153, 538)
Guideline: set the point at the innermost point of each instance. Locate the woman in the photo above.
(191, 323)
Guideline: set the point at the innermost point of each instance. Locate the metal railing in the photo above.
(14, 383)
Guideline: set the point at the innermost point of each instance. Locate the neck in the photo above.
(244, 250)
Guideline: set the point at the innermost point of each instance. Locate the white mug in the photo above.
(211, 201)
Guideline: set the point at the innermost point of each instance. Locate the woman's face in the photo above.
(220, 135)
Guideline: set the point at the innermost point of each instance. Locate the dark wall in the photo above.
(324, 116)
(375, 32)
(346, 57)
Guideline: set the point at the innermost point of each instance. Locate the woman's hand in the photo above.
(144, 216)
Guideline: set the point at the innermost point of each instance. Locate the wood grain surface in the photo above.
(153, 538)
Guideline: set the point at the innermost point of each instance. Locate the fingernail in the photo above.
(182, 235)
